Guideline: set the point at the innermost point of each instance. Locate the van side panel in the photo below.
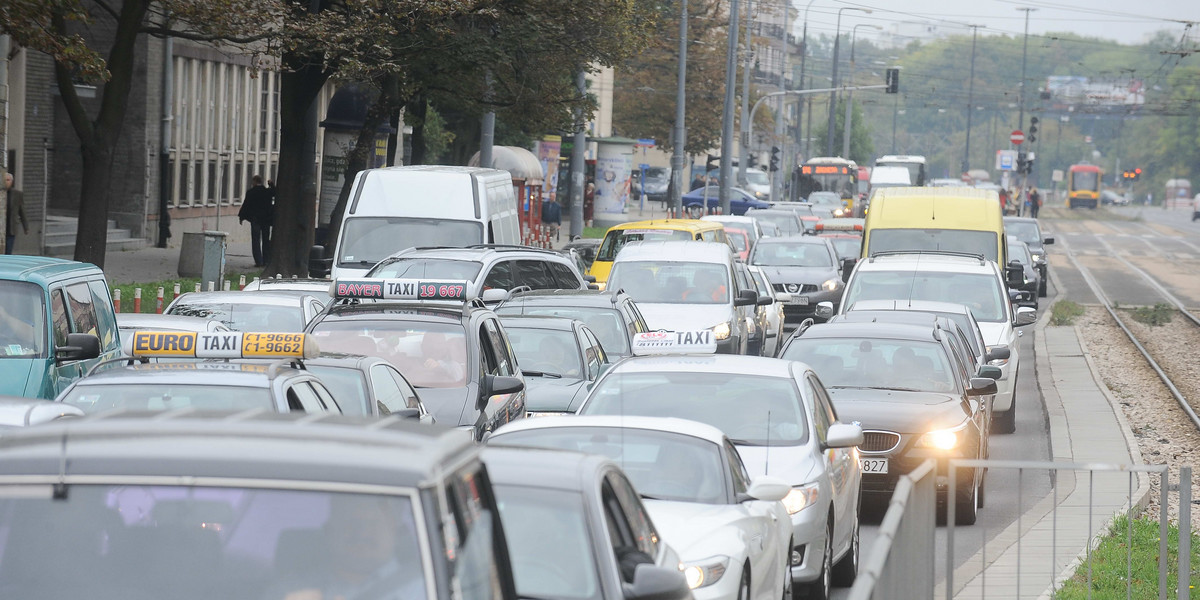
(501, 211)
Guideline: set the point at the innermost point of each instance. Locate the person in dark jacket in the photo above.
(552, 216)
(259, 209)
(16, 210)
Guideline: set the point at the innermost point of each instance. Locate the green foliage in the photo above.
(862, 149)
(1110, 564)
(150, 290)
(1154, 316)
(594, 232)
(1064, 312)
(437, 138)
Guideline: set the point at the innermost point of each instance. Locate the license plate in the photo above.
(876, 466)
(799, 300)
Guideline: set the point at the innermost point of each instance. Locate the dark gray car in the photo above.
(1028, 231)
(806, 267)
(559, 357)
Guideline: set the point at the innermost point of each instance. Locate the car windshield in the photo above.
(825, 198)
(23, 320)
(980, 292)
(1019, 252)
(427, 268)
(672, 282)
(951, 240)
(531, 517)
(368, 240)
(550, 351)
(196, 543)
(615, 240)
(757, 178)
(750, 409)
(790, 253)
(860, 362)
(246, 317)
(606, 323)
(162, 395)
(662, 465)
(847, 247)
(429, 354)
(1024, 231)
(657, 173)
(346, 384)
(738, 238)
(787, 224)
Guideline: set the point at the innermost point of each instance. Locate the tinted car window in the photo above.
(105, 320)
(58, 311)
(534, 274)
(388, 396)
(500, 277)
(564, 277)
(83, 312)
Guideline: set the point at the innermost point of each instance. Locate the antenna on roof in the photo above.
(913, 284)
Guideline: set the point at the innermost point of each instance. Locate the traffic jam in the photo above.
(696, 408)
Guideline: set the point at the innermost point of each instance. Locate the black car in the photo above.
(585, 249)
(611, 315)
(1027, 230)
(559, 357)
(1019, 255)
(368, 386)
(657, 180)
(456, 354)
(804, 267)
(914, 398)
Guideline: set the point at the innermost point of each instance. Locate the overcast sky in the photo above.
(1125, 21)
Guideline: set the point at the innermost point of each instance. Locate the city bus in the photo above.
(827, 174)
(1083, 186)
(914, 164)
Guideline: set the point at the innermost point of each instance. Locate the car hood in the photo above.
(691, 528)
(685, 317)
(794, 464)
(809, 275)
(349, 272)
(448, 405)
(995, 333)
(902, 412)
(547, 394)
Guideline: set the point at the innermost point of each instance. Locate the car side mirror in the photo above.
(982, 386)
(767, 489)
(848, 268)
(841, 435)
(1025, 316)
(991, 371)
(1014, 275)
(1048, 241)
(80, 346)
(406, 413)
(318, 266)
(783, 297)
(652, 582)
(494, 295)
(746, 298)
(998, 354)
(824, 310)
(496, 385)
(1015, 295)
(765, 300)
(589, 278)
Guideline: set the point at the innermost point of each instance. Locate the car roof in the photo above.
(256, 444)
(730, 219)
(539, 322)
(478, 252)
(265, 298)
(926, 261)
(668, 250)
(873, 330)
(171, 322)
(272, 284)
(815, 240)
(680, 224)
(711, 363)
(1021, 219)
(911, 305)
(234, 373)
(674, 425)
(345, 361)
(43, 270)
(566, 297)
(445, 312)
(544, 468)
(771, 211)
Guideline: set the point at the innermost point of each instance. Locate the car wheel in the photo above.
(744, 587)
(982, 488)
(1042, 288)
(1005, 422)
(846, 570)
(966, 506)
(822, 588)
(787, 571)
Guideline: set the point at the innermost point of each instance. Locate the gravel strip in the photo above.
(1163, 432)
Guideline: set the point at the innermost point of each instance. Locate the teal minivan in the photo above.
(56, 322)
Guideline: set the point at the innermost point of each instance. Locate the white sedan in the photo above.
(732, 532)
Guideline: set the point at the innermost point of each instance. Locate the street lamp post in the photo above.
(850, 94)
(727, 112)
(966, 163)
(679, 156)
(833, 94)
(779, 125)
(800, 111)
(744, 145)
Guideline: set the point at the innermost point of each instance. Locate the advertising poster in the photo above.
(548, 151)
(614, 163)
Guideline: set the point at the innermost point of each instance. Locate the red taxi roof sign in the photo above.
(399, 289)
(223, 344)
(840, 225)
(674, 342)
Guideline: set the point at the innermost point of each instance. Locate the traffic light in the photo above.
(1033, 129)
(1028, 166)
(892, 78)
(774, 158)
(1020, 162)
(1137, 173)
(752, 161)
(711, 163)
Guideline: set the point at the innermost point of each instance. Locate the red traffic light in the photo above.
(1137, 171)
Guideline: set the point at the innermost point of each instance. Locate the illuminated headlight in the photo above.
(530, 414)
(801, 498)
(1038, 258)
(999, 362)
(721, 332)
(601, 284)
(793, 288)
(704, 573)
(839, 212)
(831, 285)
(942, 439)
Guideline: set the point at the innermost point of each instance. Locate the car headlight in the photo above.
(704, 573)
(942, 439)
(793, 288)
(1037, 258)
(721, 332)
(801, 498)
(831, 285)
(998, 362)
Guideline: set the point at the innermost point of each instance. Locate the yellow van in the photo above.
(654, 229)
(953, 219)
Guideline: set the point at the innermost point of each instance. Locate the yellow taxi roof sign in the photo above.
(399, 289)
(223, 344)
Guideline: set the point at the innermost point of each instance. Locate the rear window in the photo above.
(428, 268)
(615, 240)
(982, 293)
(952, 240)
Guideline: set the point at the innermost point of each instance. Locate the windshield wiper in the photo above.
(649, 497)
(540, 374)
(738, 442)
(868, 387)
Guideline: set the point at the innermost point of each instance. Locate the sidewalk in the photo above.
(157, 264)
(1043, 548)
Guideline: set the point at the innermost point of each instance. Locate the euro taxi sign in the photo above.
(227, 344)
(674, 342)
(399, 289)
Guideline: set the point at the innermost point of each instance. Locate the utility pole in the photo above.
(727, 112)
(679, 156)
(776, 176)
(1024, 56)
(744, 146)
(800, 105)
(837, 36)
(895, 113)
(850, 94)
(966, 163)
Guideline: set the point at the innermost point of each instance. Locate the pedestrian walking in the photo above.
(16, 210)
(552, 216)
(259, 208)
(1035, 202)
(1003, 201)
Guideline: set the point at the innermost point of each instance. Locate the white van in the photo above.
(890, 177)
(396, 208)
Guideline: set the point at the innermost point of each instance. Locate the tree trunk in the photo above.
(91, 236)
(291, 237)
(414, 115)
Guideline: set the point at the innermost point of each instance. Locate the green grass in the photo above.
(1154, 316)
(150, 291)
(594, 232)
(1109, 566)
(1064, 312)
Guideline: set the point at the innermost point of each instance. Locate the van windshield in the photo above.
(23, 320)
(368, 240)
(672, 282)
(948, 240)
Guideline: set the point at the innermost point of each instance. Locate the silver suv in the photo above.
(491, 271)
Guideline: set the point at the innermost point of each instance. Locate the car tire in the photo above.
(744, 586)
(788, 587)
(983, 489)
(846, 569)
(966, 506)
(1042, 292)
(822, 588)
(1006, 421)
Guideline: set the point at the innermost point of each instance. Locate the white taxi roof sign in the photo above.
(221, 344)
(399, 289)
(674, 342)
(839, 225)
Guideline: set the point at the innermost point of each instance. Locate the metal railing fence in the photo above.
(900, 563)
